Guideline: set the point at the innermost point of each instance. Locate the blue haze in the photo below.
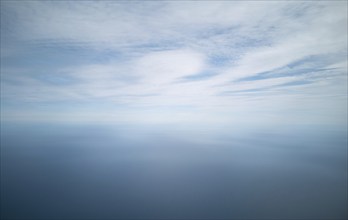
(102, 172)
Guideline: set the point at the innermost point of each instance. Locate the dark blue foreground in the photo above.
(100, 172)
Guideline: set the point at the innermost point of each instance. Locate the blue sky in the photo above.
(238, 63)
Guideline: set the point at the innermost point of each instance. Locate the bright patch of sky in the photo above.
(242, 63)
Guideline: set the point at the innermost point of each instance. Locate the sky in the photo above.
(188, 63)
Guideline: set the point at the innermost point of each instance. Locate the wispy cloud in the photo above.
(214, 56)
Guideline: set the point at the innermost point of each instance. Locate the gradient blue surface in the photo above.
(94, 172)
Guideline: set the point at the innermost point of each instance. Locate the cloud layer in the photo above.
(170, 61)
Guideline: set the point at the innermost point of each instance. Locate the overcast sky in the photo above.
(247, 62)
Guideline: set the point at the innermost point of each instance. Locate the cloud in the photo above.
(168, 66)
(214, 56)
